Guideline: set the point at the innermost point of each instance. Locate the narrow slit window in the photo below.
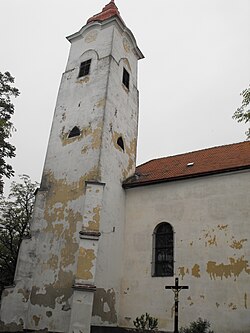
(125, 78)
(120, 143)
(163, 251)
(74, 132)
(84, 68)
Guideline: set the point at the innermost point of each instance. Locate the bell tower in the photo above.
(69, 271)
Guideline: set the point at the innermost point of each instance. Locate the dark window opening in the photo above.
(125, 78)
(163, 250)
(74, 132)
(84, 68)
(120, 143)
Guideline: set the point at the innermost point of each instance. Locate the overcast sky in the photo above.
(197, 61)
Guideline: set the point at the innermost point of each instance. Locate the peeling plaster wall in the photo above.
(210, 217)
(121, 120)
(77, 229)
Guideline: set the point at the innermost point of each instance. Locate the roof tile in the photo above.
(107, 12)
(197, 163)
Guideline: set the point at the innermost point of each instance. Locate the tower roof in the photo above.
(107, 12)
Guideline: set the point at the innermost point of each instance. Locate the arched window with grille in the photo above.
(163, 250)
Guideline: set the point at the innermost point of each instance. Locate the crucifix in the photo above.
(176, 289)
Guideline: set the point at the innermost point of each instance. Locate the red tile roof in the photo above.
(194, 164)
(107, 12)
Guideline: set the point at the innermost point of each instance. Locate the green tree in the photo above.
(7, 91)
(15, 215)
(242, 114)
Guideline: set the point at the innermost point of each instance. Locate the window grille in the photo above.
(163, 254)
(84, 68)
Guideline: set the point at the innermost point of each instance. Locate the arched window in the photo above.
(163, 252)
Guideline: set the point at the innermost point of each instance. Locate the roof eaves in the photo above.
(170, 179)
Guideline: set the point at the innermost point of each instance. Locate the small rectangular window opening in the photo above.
(125, 78)
(84, 68)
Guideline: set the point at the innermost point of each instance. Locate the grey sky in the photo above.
(197, 61)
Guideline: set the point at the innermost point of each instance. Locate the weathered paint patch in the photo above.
(53, 262)
(232, 306)
(63, 116)
(131, 152)
(85, 263)
(83, 80)
(91, 36)
(238, 244)
(60, 193)
(62, 288)
(196, 271)
(212, 241)
(126, 63)
(101, 103)
(36, 320)
(84, 132)
(222, 227)
(95, 133)
(115, 137)
(49, 314)
(96, 138)
(12, 327)
(25, 293)
(126, 45)
(234, 268)
(94, 224)
(101, 298)
(182, 272)
(191, 302)
(71, 245)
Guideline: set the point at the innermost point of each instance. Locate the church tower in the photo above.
(68, 275)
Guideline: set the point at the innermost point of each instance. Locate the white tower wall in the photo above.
(76, 243)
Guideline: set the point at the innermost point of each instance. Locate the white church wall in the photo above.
(210, 218)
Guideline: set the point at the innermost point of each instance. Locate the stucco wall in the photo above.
(77, 230)
(210, 218)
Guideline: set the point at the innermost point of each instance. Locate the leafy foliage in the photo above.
(242, 114)
(16, 212)
(199, 326)
(6, 127)
(145, 322)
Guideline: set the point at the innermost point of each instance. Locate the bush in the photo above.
(145, 322)
(199, 326)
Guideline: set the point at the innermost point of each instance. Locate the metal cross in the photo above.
(176, 289)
